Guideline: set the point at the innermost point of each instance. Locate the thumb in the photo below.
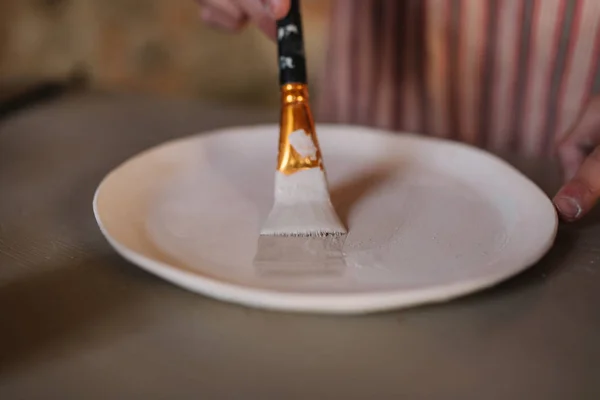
(579, 153)
(276, 9)
(279, 8)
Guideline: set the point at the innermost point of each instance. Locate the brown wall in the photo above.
(146, 45)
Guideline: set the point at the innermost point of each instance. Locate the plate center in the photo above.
(408, 225)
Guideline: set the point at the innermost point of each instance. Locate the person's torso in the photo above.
(501, 74)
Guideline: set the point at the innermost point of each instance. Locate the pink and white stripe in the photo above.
(503, 73)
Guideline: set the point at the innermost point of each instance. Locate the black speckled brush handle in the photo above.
(290, 44)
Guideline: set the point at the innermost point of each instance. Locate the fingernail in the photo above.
(568, 207)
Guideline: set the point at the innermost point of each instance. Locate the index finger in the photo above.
(279, 8)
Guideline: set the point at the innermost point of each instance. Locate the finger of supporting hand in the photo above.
(571, 157)
(579, 195)
(581, 140)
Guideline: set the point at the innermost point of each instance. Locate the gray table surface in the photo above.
(78, 322)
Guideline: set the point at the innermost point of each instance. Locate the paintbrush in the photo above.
(302, 233)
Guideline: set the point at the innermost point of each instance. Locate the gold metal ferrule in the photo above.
(296, 115)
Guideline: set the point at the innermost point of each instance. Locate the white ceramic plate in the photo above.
(428, 219)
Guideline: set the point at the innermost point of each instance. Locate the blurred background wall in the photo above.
(155, 46)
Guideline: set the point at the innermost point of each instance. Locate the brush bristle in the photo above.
(303, 219)
(303, 207)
